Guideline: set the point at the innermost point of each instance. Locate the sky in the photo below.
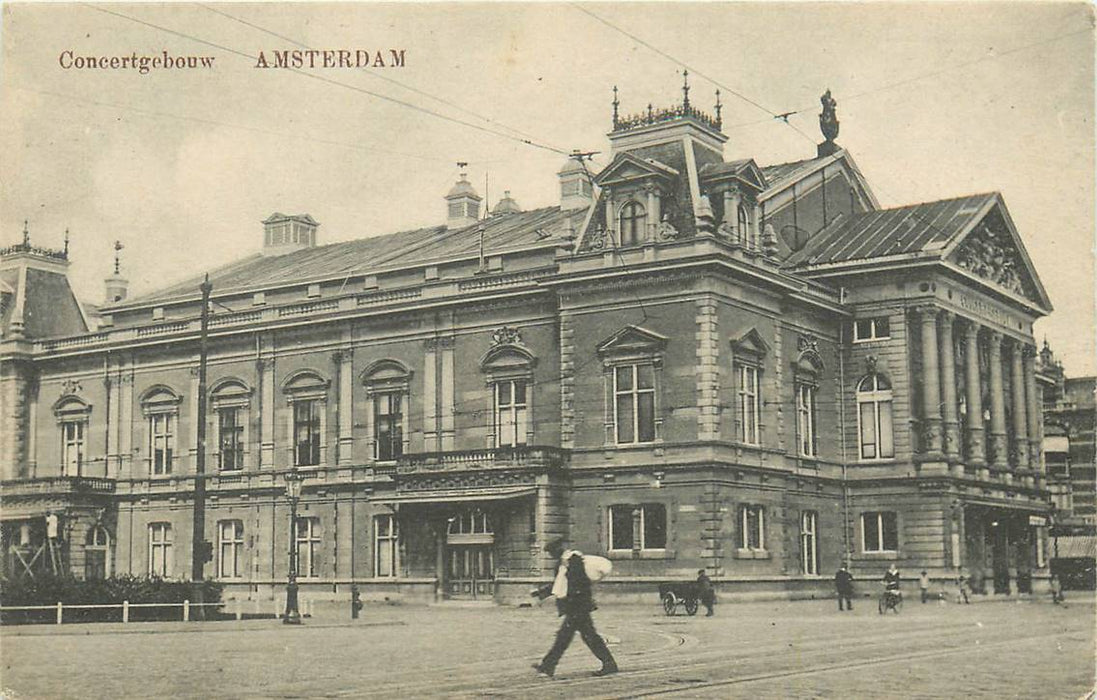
(182, 165)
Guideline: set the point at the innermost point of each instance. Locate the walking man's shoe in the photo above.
(542, 670)
(606, 671)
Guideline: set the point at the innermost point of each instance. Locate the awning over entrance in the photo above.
(459, 496)
(1076, 547)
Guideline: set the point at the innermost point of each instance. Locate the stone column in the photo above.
(931, 384)
(997, 404)
(653, 215)
(1035, 413)
(1020, 417)
(975, 430)
(948, 389)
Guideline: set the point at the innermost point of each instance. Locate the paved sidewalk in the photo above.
(801, 649)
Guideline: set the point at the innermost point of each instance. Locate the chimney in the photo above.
(116, 286)
(462, 204)
(287, 233)
(576, 191)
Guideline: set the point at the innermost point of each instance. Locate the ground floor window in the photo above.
(752, 527)
(160, 549)
(384, 546)
(308, 547)
(638, 526)
(97, 554)
(230, 549)
(809, 546)
(880, 531)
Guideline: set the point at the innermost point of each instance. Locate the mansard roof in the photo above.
(368, 255)
(973, 235)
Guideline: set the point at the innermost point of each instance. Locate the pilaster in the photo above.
(997, 404)
(931, 384)
(973, 398)
(950, 409)
(1020, 407)
(707, 370)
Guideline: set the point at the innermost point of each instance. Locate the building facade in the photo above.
(688, 362)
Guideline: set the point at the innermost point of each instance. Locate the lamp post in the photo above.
(293, 493)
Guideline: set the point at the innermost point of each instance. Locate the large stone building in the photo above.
(687, 362)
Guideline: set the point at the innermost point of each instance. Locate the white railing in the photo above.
(277, 605)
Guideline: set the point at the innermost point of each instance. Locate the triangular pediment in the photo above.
(750, 343)
(991, 251)
(632, 340)
(627, 167)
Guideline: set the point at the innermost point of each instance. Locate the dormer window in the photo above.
(633, 222)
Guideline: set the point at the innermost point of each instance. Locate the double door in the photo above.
(470, 571)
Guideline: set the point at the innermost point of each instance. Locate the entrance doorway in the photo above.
(470, 555)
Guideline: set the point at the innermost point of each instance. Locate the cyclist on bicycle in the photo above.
(891, 582)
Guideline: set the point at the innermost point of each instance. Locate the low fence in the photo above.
(236, 610)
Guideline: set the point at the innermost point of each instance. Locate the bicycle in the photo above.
(890, 600)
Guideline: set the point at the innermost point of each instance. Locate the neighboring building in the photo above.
(1070, 415)
(687, 363)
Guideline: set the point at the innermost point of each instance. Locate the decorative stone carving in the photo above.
(809, 342)
(506, 336)
(988, 253)
(726, 230)
(596, 239)
(666, 230)
(71, 386)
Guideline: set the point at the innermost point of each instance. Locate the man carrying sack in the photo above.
(575, 602)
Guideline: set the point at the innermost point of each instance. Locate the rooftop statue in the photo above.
(828, 118)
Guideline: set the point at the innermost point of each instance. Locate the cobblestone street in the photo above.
(802, 649)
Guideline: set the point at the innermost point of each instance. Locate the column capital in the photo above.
(969, 327)
(926, 311)
(995, 338)
(1028, 351)
(945, 315)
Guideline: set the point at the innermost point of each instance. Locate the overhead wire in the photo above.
(332, 81)
(379, 76)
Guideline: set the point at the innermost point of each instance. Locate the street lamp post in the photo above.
(293, 492)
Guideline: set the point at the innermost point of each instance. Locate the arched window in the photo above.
(874, 423)
(633, 222)
(72, 414)
(229, 402)
(388, 387)
(160, 406)
(509, 369)
(307, 393)
(97, 554)
(741, 224)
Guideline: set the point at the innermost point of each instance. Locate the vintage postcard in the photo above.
(368, 349)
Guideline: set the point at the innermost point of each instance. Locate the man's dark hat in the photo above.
(555, 545)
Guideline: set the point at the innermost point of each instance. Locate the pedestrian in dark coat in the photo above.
(706, 592)
(575, 602)
(843, 583)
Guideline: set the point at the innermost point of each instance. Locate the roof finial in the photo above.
(616, 104)
(66, 241)
(117, 257)
(685, 88)
(719, 107)
(26, 233)
(828, 118)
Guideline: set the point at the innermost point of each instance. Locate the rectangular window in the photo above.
(640, 526)
(384, 546)
(230, 549)
(880, 531)
(388, 426)
(752, 527)
(162, 442)
(634, 403)
(809, 546)
(867, 329)
(510, 413)
(805, 419)
(308, 547)
(231, 438)
(72, 447)
(749, 405)
(160, 546)
(306, 433)
(876, 430)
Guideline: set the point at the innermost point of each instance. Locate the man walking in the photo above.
(843, 582)
(575, 601)
(706, 592)
(923, 586)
